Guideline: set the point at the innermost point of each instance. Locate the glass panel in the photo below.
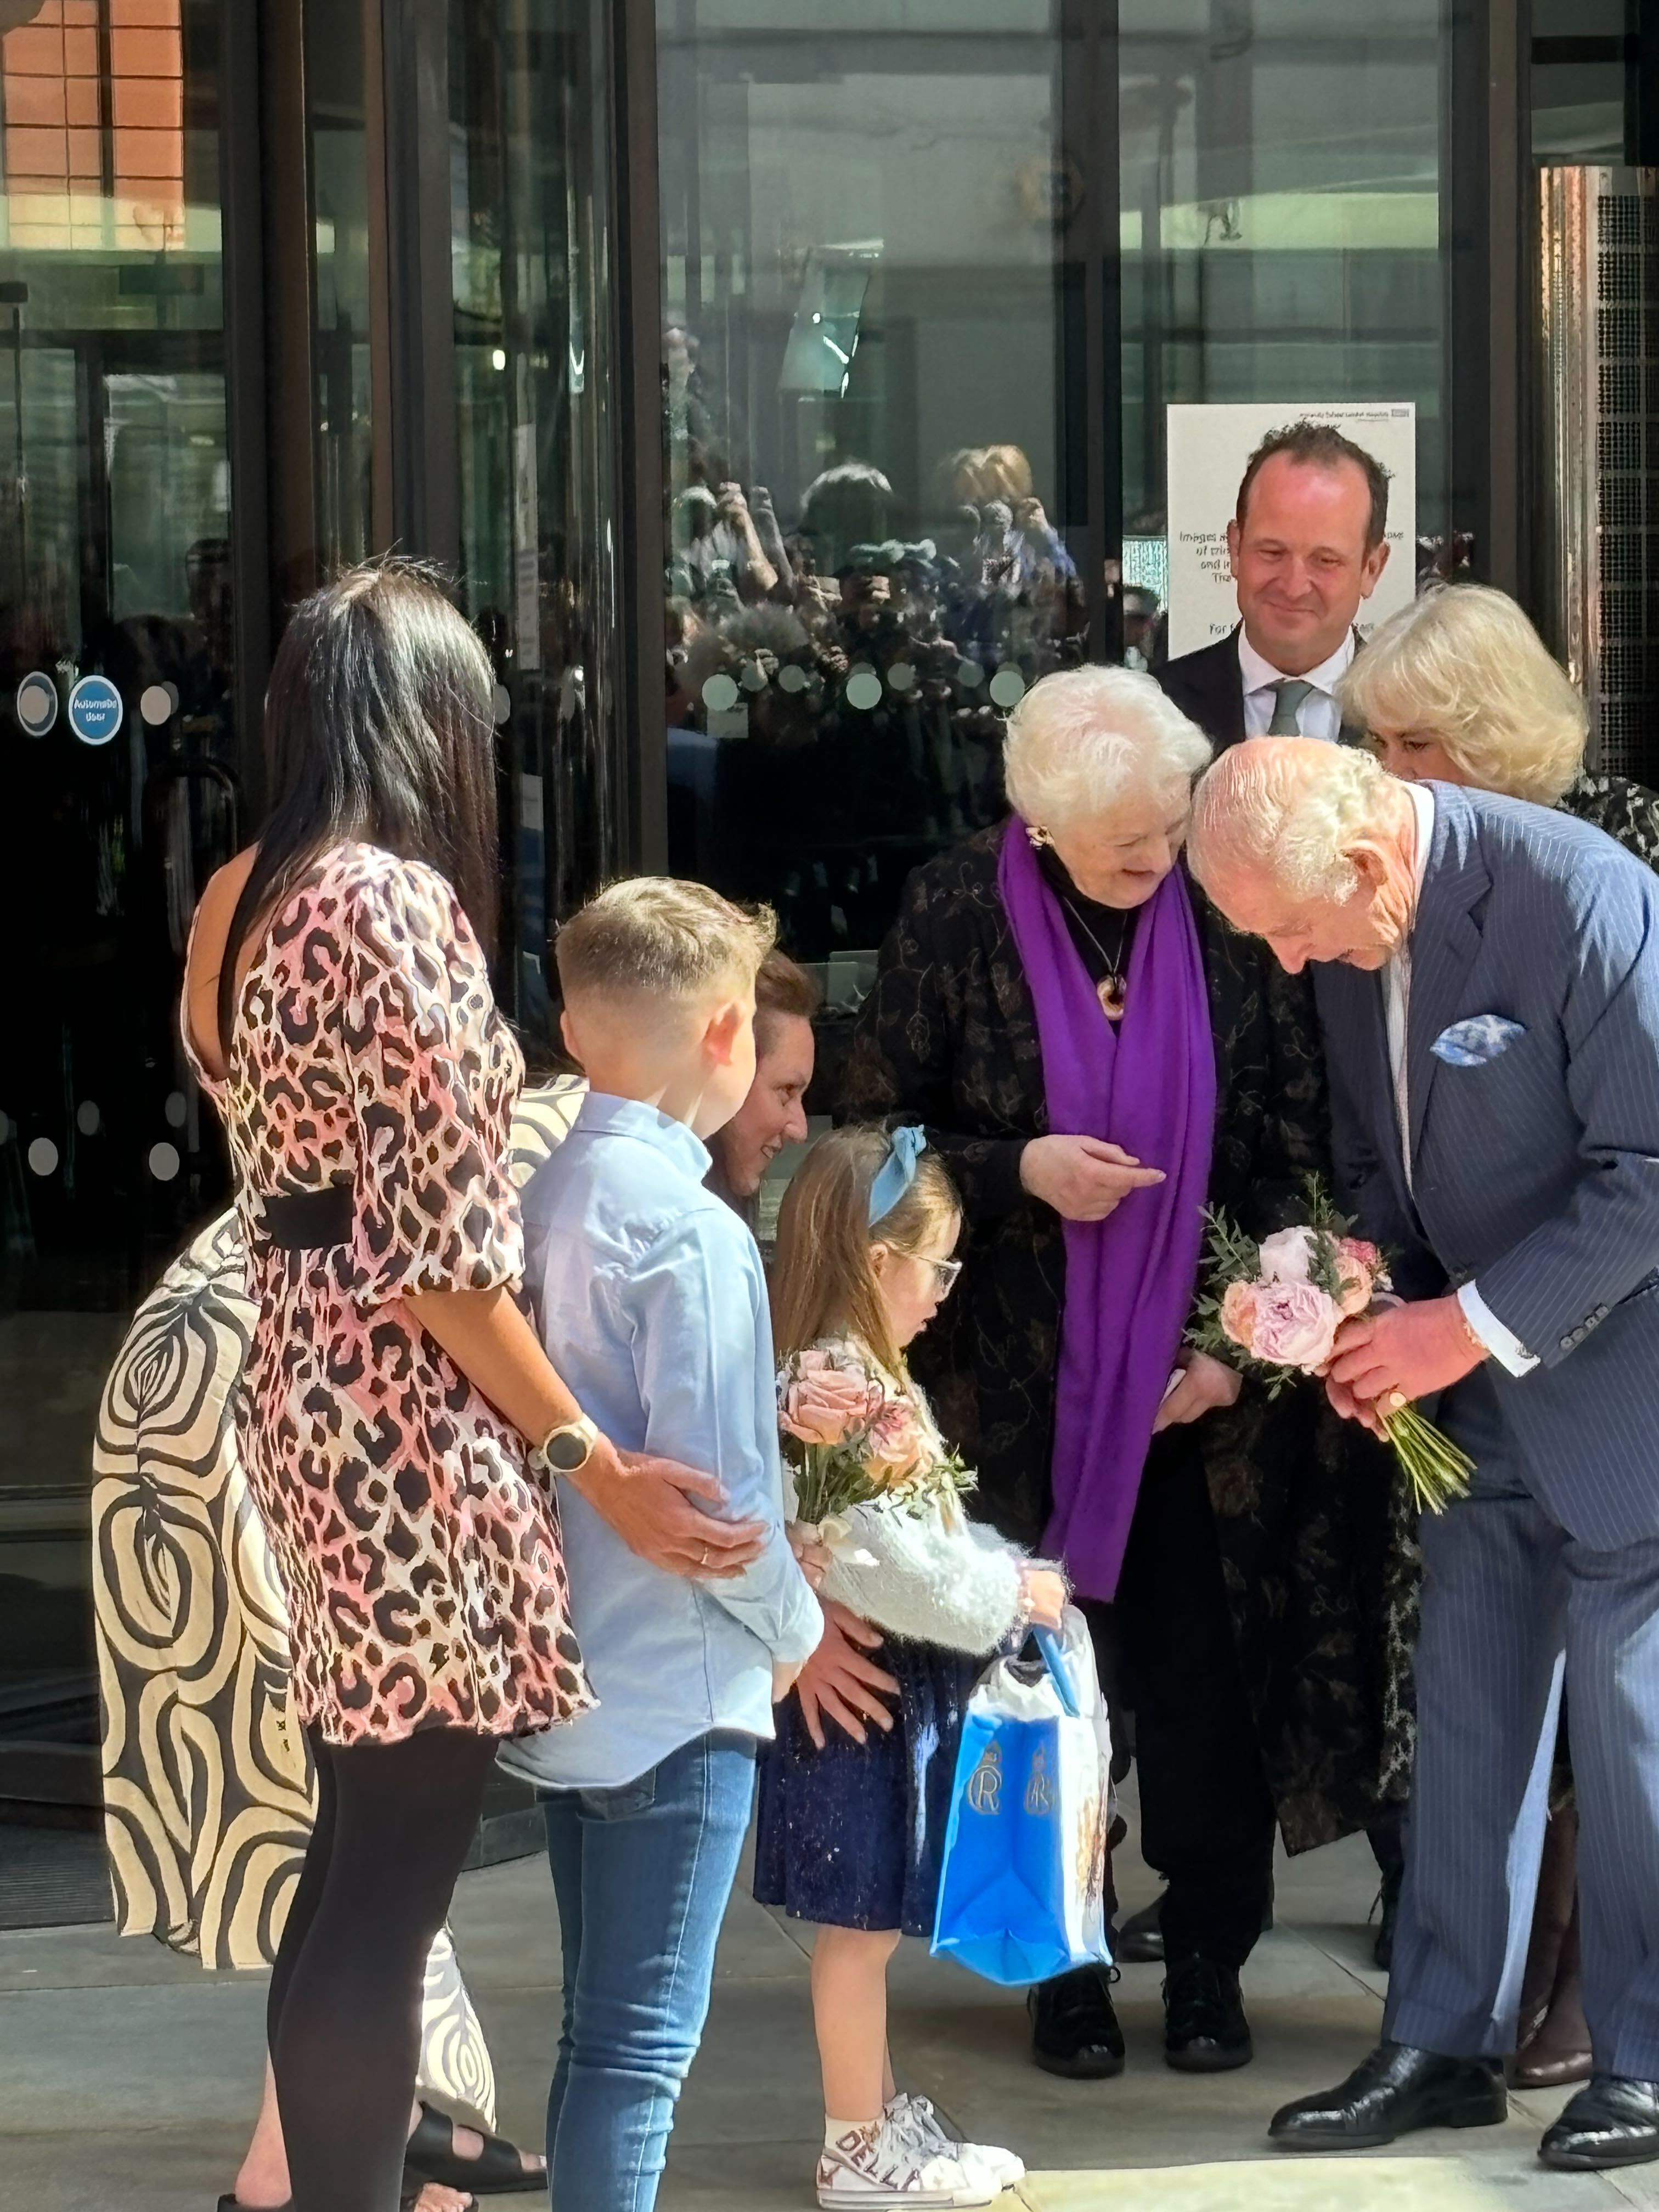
(339, 151)
(115, 565)
(867, 543)
(529, 98)
(1280, 226)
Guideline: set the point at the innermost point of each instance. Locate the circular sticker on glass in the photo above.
(719, 695)
(791, 678)
(969, 675)
(36, 703)
(1007, 686)
(94, 710)
(157, 703)
(864, 689)
(902, 675)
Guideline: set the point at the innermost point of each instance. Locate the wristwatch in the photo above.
(568, 1448)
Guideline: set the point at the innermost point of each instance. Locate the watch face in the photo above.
(566, 1450)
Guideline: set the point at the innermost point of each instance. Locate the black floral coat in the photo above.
(1309, 1546)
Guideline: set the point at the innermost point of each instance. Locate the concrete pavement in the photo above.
(128, 2076)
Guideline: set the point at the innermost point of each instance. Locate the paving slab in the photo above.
(128, 2077)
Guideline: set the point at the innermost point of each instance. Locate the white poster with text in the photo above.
(1208, 448)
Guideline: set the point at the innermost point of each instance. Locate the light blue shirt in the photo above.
(651, 1300)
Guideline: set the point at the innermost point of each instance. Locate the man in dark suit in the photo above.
(1307, 546)
(1488, 981)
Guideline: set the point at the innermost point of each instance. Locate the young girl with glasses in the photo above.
(851, 1835)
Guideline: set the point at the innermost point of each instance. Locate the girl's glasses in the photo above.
(945, 1271)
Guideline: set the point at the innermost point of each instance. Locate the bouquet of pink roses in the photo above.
(852, 1438)
(1281, 1302)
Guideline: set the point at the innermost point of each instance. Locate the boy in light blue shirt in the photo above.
(650, 1294)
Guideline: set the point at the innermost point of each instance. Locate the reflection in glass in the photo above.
(114, 559)
(529, 96)
(865, 559)
(337, 145)
(1280, 223)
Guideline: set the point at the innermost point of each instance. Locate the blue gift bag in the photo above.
(1021, 1896)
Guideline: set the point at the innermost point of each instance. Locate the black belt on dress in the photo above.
(309, 1220)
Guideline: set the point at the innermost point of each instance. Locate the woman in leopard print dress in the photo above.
(338, 1010)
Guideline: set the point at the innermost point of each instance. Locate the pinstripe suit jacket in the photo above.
(1536, 1173)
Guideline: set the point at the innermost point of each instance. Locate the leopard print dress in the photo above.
(420, 1560)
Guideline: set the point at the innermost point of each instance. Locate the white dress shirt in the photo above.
(1503, 1344)
(1318, 716)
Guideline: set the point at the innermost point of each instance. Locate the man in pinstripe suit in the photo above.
(1492, 1027)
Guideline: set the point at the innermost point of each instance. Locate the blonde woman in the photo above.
(1458, 688)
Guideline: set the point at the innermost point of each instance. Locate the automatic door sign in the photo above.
(36, 703)
(94, 710)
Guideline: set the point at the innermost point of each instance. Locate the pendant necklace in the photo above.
(1112, 990)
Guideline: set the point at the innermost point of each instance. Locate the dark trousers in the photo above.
(1168, 1652)
(394, 1821)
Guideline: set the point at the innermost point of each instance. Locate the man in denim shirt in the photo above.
(651, 1290)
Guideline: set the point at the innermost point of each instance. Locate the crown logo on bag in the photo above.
(1039, 1790)
(984, 1791)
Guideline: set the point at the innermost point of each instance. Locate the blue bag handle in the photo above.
(1053, 1658)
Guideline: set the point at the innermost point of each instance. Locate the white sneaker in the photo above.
(885, 2167)
(921, 2121)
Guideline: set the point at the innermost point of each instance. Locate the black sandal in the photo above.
(498, 2171)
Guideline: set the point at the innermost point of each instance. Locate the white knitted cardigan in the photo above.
(927, 1573)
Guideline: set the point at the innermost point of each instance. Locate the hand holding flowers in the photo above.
(1403, 1352)
(1308, 1301)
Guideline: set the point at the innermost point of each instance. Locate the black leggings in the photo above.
(394, 1822)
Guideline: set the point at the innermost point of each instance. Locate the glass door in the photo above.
(123, 765)
(535, 368)
(874, 539)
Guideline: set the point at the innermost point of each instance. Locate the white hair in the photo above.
(1083, 739)
(1292, 808)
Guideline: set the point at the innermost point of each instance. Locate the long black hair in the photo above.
(379, 727)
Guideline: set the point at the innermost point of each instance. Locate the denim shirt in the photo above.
(651, 1300)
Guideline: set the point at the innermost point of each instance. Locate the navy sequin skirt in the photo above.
(853, 1836)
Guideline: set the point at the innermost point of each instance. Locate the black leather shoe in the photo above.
(1394, 2090)
(1140, 1937)
(1074, 2028)
(1205, 2030)
(1388, 1898)
(1612, 2122)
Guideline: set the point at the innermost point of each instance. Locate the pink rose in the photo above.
(1288, 1256)
(1238, 1314)
(895, 1440)
(1359, 1265)
(824, 1405)
(1294, 1325)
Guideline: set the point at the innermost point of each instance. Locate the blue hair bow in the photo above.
(896, 1172)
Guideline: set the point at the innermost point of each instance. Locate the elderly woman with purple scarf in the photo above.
(1098, 1056)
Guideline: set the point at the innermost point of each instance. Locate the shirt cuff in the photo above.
(1504, 1345)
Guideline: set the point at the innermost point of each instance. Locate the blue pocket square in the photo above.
(1472, 1042)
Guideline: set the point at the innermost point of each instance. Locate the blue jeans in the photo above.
(641, 1875)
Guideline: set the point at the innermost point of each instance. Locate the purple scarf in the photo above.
(1149, 1085)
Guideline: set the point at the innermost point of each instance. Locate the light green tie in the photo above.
(1288, 694)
